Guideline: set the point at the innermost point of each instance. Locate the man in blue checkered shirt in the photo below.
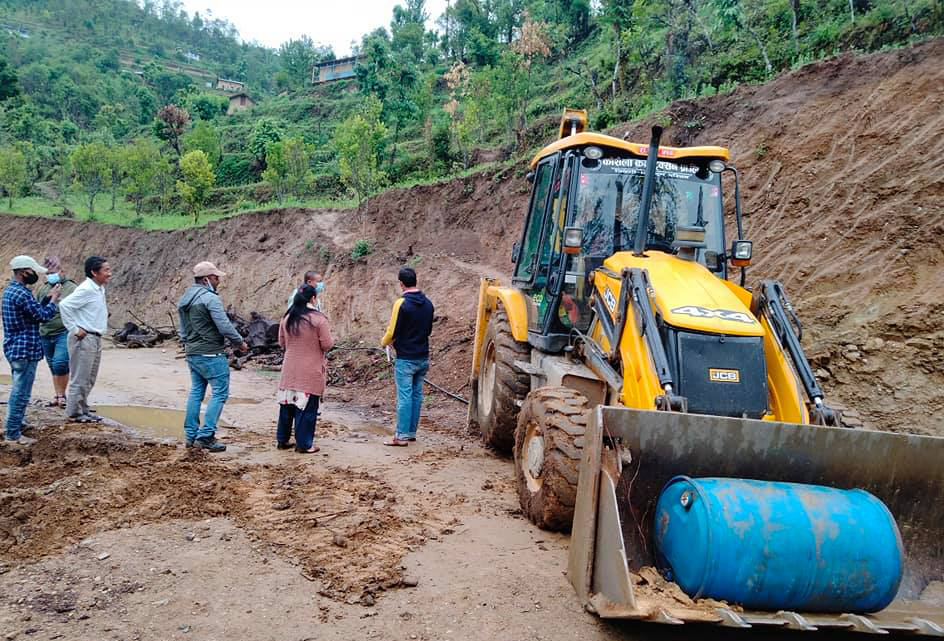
(22, 348)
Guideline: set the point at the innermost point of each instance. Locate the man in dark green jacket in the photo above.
(53, 334)
(204, 328)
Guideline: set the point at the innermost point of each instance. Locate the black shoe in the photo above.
(285, 446)
(188, 442)
(209, 444)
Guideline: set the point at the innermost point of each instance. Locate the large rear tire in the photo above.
(501, 386)
(548, 449)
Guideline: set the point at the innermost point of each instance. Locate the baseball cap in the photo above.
(206, 268)
(27, 262)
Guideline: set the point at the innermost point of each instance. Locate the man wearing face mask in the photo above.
(204, 328)
(314, 279)
(53, 333)
(22, 348)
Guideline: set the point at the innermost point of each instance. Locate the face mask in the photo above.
(53, 279)
(30, 278)
(319, 287)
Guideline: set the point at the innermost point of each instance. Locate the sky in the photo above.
(331, 22)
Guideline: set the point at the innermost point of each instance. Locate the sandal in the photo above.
(311, 450)
(396, 442)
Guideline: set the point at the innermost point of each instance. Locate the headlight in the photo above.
(717, 166)
(593, 153)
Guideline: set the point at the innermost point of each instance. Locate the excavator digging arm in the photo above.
(771, 301)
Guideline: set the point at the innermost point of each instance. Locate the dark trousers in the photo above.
(304, 423)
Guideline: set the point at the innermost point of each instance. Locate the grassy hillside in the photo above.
(87, 80)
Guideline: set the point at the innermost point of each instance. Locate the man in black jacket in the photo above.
(410, 326)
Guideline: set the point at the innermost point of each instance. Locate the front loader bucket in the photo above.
(630, 455)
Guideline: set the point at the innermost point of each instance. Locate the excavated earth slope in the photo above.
(842, 165)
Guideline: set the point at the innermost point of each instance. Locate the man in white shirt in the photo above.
(85, 315)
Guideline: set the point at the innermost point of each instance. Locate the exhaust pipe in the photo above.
(648, 186)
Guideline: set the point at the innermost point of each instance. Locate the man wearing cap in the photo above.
(22, 348)
(204, 328)
(85, 314)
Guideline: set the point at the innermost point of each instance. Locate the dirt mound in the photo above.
(344, 528)
(841, 164)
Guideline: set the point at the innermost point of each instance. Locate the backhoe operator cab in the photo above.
(585, 198)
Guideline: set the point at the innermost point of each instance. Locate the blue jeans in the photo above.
(24, 373)
(203, 370)
(56, 348)
(409, 378)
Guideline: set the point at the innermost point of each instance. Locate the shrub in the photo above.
(361, 248)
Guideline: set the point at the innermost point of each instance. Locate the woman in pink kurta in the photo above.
(305, 336)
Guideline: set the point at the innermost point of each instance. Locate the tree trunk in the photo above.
(396, 139)
(619, 55)
(91, 203)
(763, 49)
(10, 196)
(794, 10)
(114, 196)
(852, 11)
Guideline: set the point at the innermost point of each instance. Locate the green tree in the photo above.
(197, 181)
(92, 171)
(288, 168)
(264, 132)
(206, 138)
(205, 106)
(13, 172)
(141, 163)
(359, 142)
(116, 172)
(9, 86)
(299, 56)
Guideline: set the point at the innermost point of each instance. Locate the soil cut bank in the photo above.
(841, 164)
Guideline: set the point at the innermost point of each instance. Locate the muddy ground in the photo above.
(107, 533)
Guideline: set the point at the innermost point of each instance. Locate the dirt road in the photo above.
(108, 533)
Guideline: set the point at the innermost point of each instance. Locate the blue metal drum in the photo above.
(778, 546)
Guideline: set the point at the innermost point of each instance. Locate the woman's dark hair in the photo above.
(93, 264)
(299, 308)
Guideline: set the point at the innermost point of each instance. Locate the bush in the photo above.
(234, 170)
(361, 248)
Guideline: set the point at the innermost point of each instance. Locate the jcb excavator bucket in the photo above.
(630, 455)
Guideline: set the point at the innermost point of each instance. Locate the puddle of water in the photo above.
(6, 379)
(156, 422)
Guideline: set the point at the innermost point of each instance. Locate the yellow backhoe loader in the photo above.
(621, 363)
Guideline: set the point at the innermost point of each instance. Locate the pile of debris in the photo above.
(262, 336)
(141, 334)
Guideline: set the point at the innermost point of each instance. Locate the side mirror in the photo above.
(573, 240)
(712, 261)
(515, 252)
(741, 252)
(529, 177)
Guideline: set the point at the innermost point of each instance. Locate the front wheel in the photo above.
(548, 449)
(501, 385)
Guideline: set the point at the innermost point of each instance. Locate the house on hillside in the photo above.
(239, 102)
(230, 85)
(333, 70)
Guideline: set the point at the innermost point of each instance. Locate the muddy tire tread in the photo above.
(562, 414)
